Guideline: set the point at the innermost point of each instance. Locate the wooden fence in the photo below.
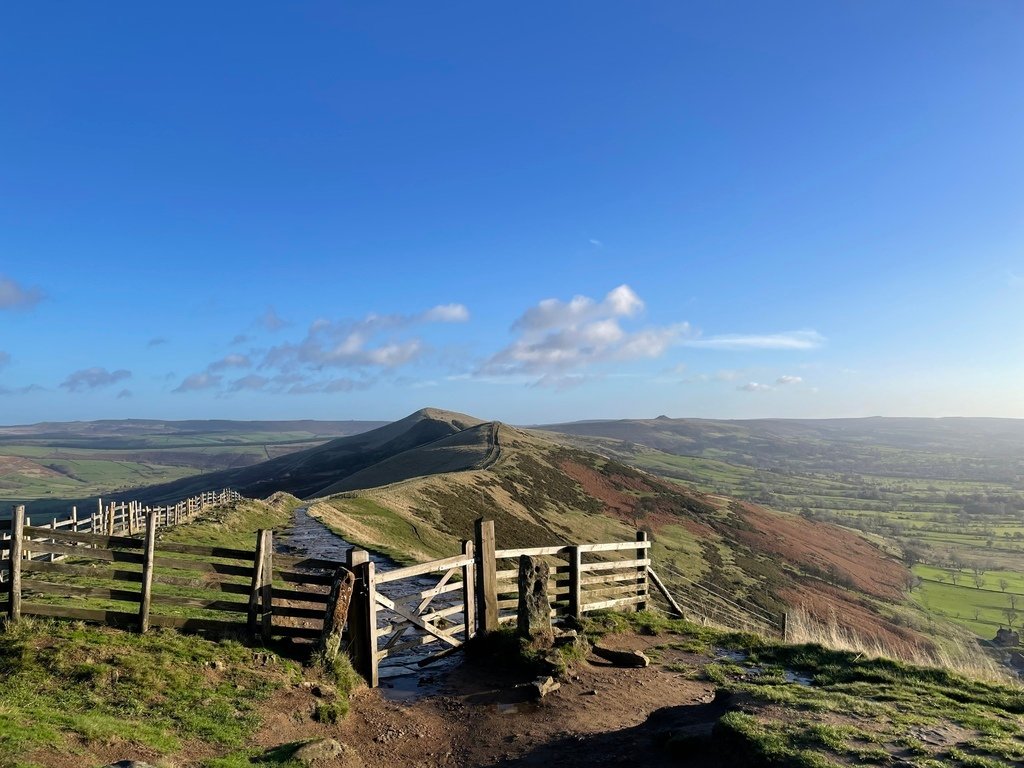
(114, 518)
(138, 582)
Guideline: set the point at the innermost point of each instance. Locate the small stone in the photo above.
(129, 764)
(591, 692)
(328, 752)
(217, 665)
(622, 658)
(542, 686)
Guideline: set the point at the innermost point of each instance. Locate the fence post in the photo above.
(359, 648)
(575, 588)
(74, 519)
(256, 587)
(110, 520)
(17, 536)
(370, 569)
(486, 578)
(267, 585)
(641, 571)
(147, 574)
(468, 590)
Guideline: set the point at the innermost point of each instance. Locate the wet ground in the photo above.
(401, 677)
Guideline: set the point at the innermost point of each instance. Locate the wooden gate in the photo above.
(410, 608)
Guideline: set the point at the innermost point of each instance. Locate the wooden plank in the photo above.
(267, 584)
(371, 620)
(418, 621)
(611, 603)
(359, 649)
(615, 546)
(667, 595)
(486, 583)
(90, 571)
(575, 592)
(113, 618)
(256, 585)
(614, 565)
(75, 590)
(604, 578)
(504, 554)
(469, 589)
(111, 556)
(627, 589)
(432, 592)
(14, 606)
(147, 573)
(641, 572)
(423, 568)
(222, 552)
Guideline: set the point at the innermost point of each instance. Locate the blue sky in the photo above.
(530, 212)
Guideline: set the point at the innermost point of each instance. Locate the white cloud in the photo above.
(558, 338)
(596, 243)
(15, 296)
(784, 380)
(753, 386)
(93, 378)
(446, 313)
(789, 340)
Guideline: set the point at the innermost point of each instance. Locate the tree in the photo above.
(1004, 585)
(979, 581)
(1011, 616)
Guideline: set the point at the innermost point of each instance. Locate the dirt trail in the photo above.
(602, 715)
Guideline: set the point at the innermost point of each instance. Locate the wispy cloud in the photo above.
(753, 386)
(124, 394)
(199, 381)
(26, 390)
(1015, 279)
(93, 378)
(786, 380)
(789, 340)
(557, 339)
(595, 242)
(5, 359)
(156, 341)
(230, 361)
(271, 321)
(15, 296)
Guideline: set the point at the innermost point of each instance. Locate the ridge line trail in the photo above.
(494, 450)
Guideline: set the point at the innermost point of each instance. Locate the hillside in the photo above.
(541, 493)
(308, 472)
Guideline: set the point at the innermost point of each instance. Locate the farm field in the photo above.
(55, 465)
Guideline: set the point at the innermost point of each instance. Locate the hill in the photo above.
(540, 493)
(308, 472)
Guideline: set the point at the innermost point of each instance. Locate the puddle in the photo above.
(401, 679)
(741, 659)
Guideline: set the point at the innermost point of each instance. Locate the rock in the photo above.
(542, 686)
(534, 606)
(1007, 638)
(337, 613)
(217, 665)
(591, 692)
(328, 752)
(129, 764)
(622, 658)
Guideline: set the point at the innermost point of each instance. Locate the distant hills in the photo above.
(949, 448)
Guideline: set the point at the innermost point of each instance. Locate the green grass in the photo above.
(103, 685)
(981, 610)
(854, 711)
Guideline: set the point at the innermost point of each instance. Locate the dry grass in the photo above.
(803, 628)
